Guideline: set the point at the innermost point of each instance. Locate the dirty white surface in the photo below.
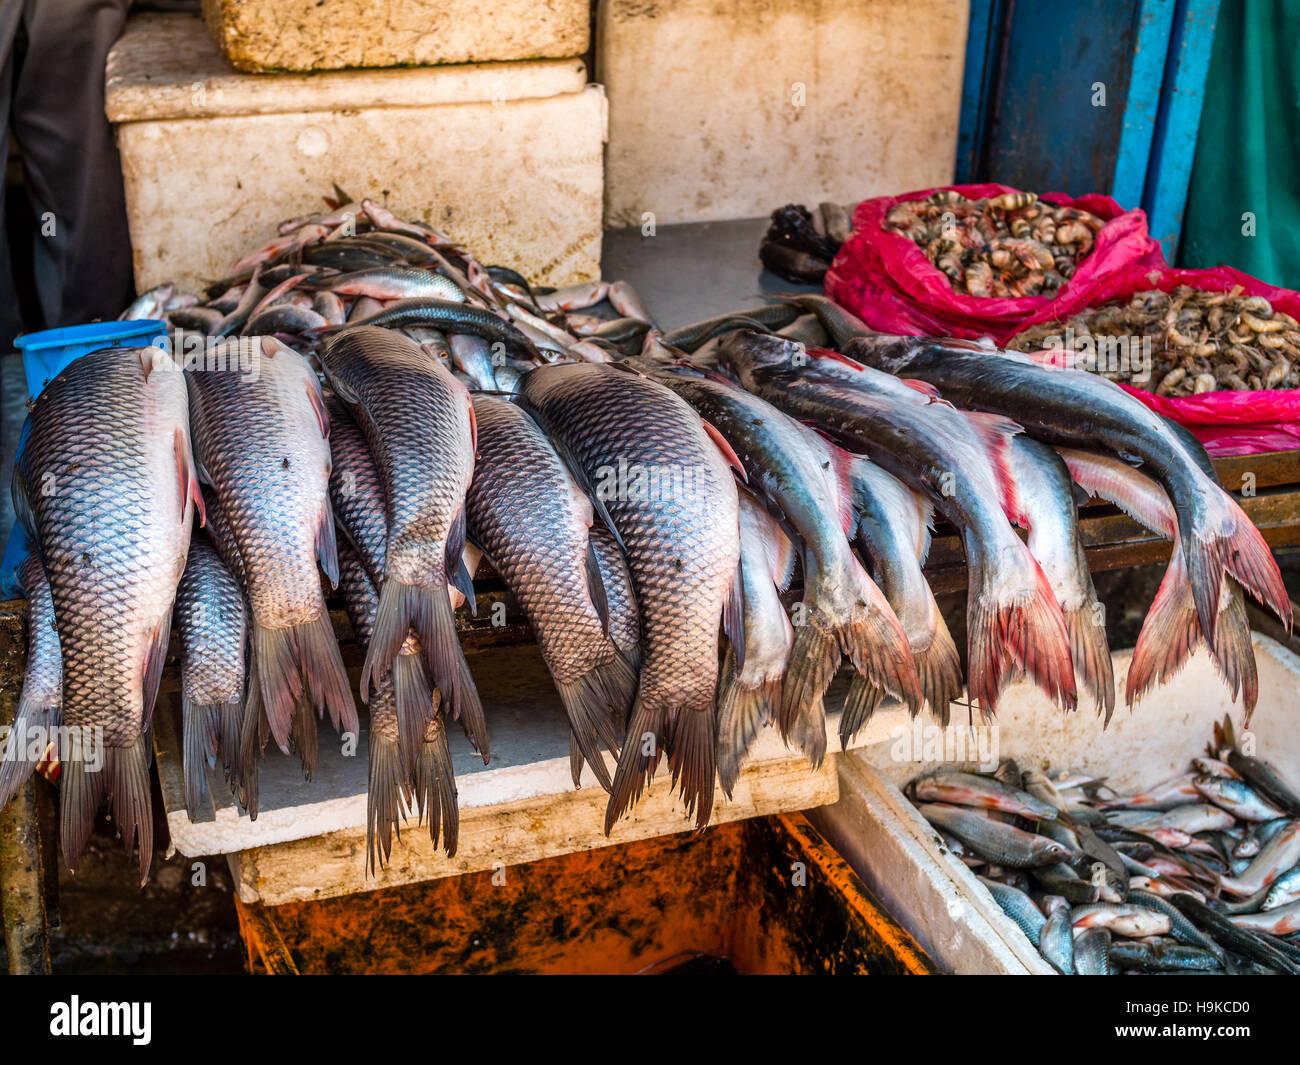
(330, 34)
(516, 177)
(728, 110)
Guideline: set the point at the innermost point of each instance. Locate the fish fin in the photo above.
(1091, 654)
(576, 761)
(1249, 559)
(228, 719)
(327, 551)
(595, 704)
(254, 731)
(743, 711)
(198, 743)
(923, 387)
(646, 731)
(387, 794)
(1234, 654)
(939, 669)
(596, 587)
(473, 418)
(155, 658)
(454, 561)
(830, 355)
(692, 758)
(323, 671)
(995, 433)
(414, 695)
(733, 615)
(1169, 634)
(814, 660)
(304, 738)
(403, 607)
(1002, 631)
(435, 787)
(724, 446)
(189, 476)
(16, 767)
(860, 702)
(23, 512)
(126, 785)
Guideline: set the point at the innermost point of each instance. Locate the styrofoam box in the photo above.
(505, 157)
(933, 894)
(730, 110)
(264, 35)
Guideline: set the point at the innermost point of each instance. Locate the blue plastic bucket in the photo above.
(46, 353)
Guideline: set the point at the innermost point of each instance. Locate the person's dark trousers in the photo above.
(52, 101)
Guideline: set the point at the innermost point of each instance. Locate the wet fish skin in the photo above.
(1237, 798)
(212, 622)
(750, 684)
(1056, 941)
(931, 447)
(1196, 817)
(969, 789)
(1284, 891)
(1074, 408)
(772, 315)
(395, 283)
(1267, 780)
(1281, 853)
(624, 618)
(1092, 952)
(105, 485)
(607, 419)
(419, 423)
(1019, 907)
(261, 442)
(1229, 934)
(450, 317)
(473, 356)
(40, 706)
(532, 522)
(1180, 927)
(842, 608)
(1258, 836)
(893, 534)
(1121, 918)
(993, 840)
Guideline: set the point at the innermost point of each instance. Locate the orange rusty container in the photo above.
(768, 895)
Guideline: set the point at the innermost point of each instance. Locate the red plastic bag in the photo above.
(887, 281)
(1228, 422)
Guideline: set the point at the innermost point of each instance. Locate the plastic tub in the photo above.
(48, 352)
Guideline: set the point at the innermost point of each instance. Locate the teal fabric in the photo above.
(1248, 149)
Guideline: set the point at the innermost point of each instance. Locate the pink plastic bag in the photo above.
(1228, 422)
(886, 280)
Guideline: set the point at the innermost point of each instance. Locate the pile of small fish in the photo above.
(1009, 245)
(1201, 341)
(1200, 874)
(359, 264)
(647, 511)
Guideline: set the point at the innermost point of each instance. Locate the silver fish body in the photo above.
(671, 499)
(104, 483)
(532, 522)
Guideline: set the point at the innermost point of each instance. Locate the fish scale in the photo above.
(682, 554)
(105, 480)
(532, 521)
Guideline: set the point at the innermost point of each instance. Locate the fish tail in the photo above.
(596, 704)
(1091, 655)
(304, 738)
(576, 761)
(16, 767)
(126, 784)
(254, 731)
(692, 757)
(814, 658)
(278, 679)
(860, 702)
(198, 748)
(743, 710)
(939, 669)
(1205, 553)
(637, 761)
(324, 673)
(387, 793)
(874, 641)
(403, 607)
(228, 721)
(435, 786)
(1234, 653)
(414, 697)
(1022, 631)
(1169, 633)
(1252, 563)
